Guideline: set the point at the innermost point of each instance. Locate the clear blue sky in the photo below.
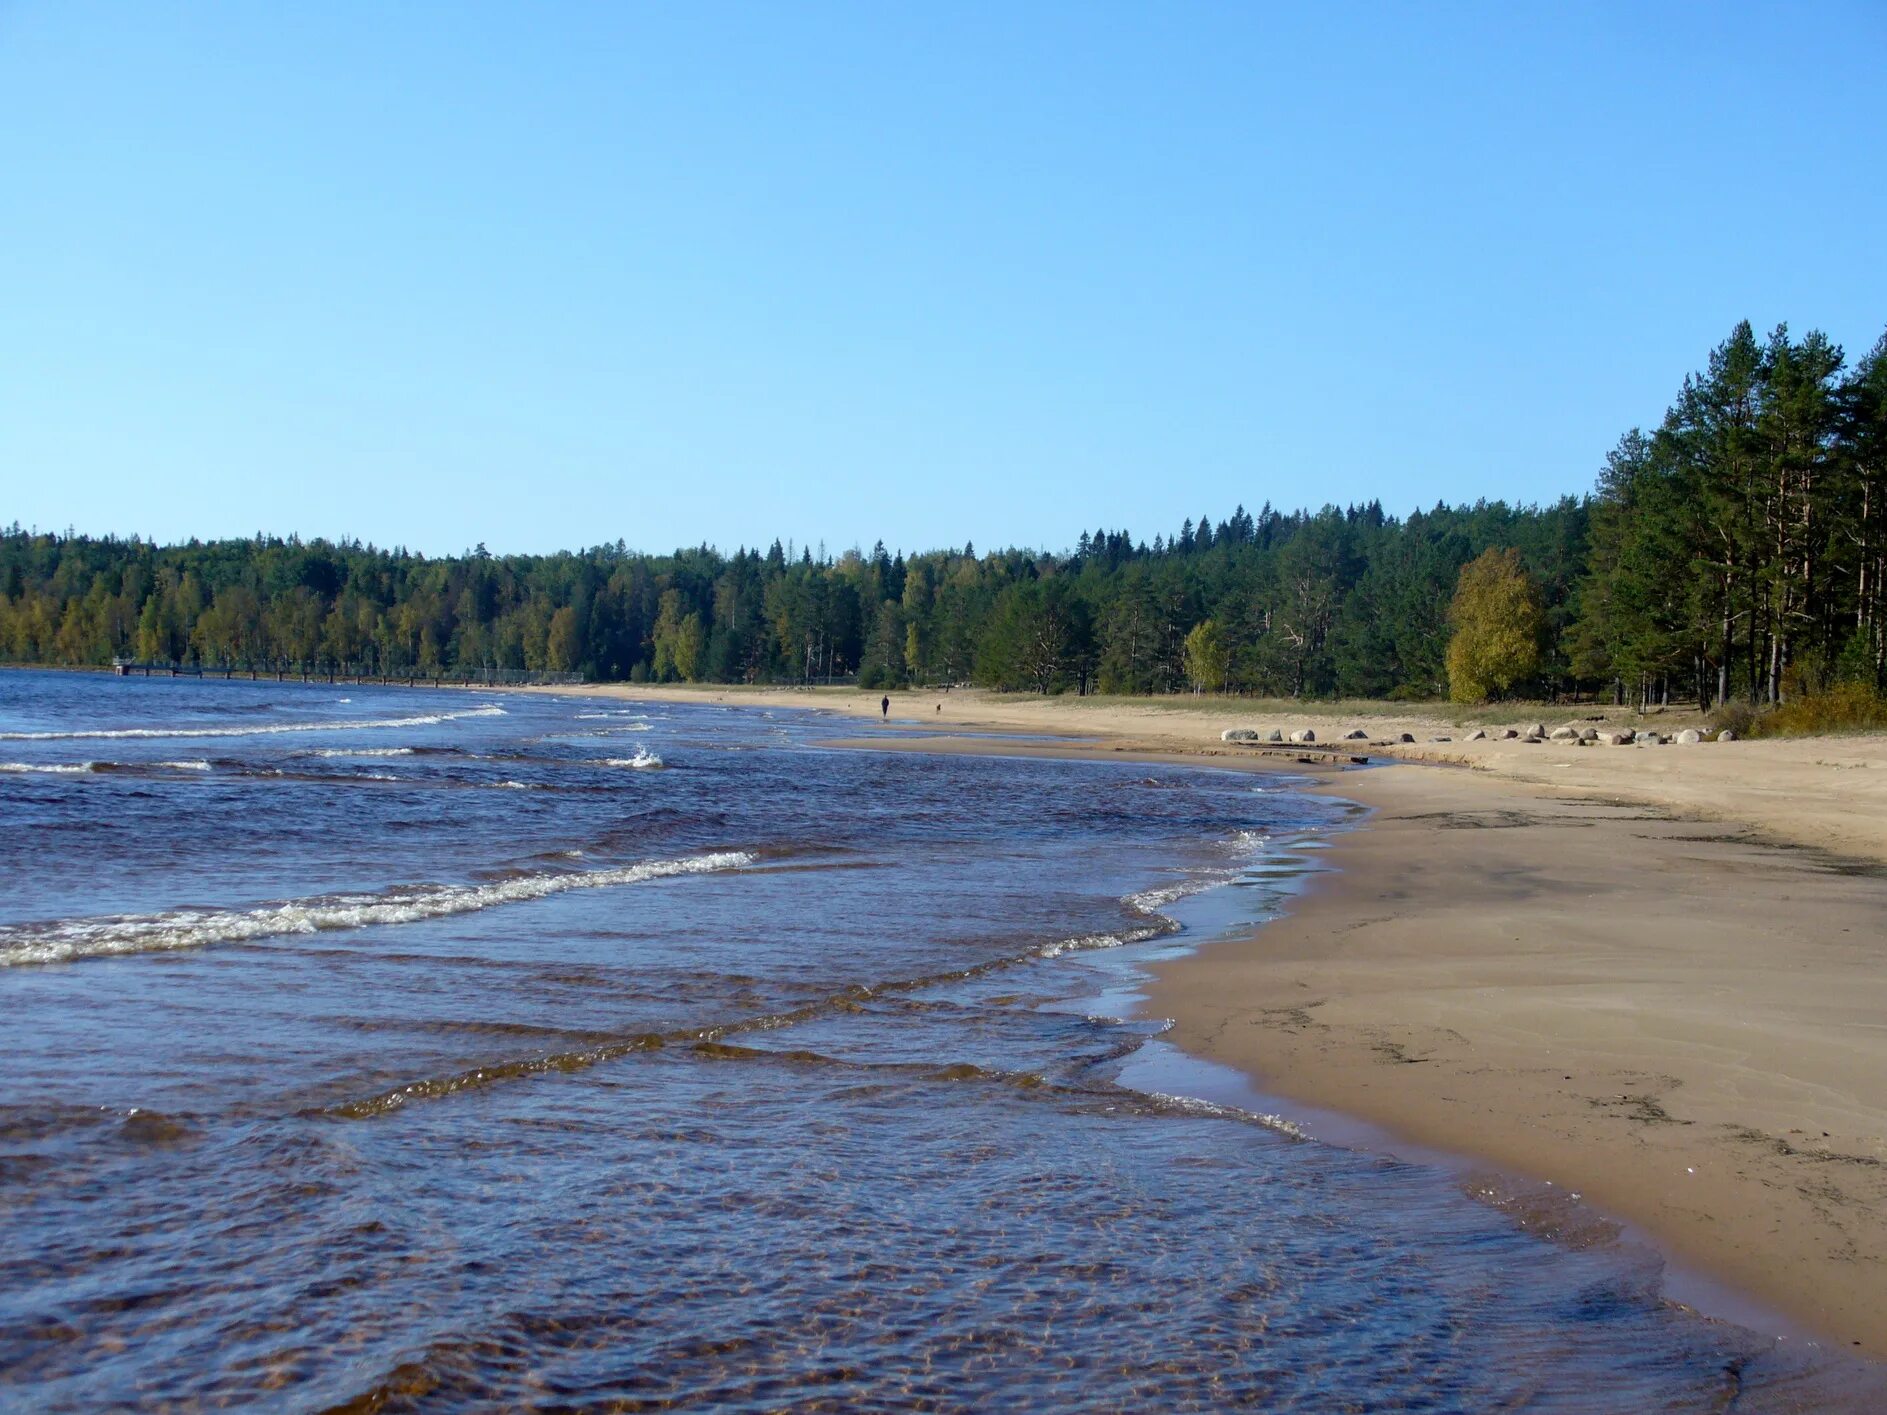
(549, 275)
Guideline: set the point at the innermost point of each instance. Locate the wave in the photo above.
(1151, 901)
(1248, 845)
(71, 939)
(597, 716)
(87, 768)
(425, 720)
(1192, 1105)
(643, 760)
(1085, 942)
(358, 752)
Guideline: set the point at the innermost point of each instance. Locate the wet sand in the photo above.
(1685, 1026)
(1614, 969)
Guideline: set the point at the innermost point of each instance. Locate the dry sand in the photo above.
(1616, 969)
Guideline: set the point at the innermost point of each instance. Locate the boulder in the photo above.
(1238, 734)
(1477, 735)
(1304, 734)
(1568, 733)
(1726, 735)
(1535, 733)
(1617, 739)
(1649, 739)
(1275, 735)
(1507, 734)
(1588, 734)
(1356, 734)
(1689, 737)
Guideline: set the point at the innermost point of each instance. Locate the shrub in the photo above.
(1846, 707)
(1736, 716)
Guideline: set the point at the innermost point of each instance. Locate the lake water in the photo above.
(385, 1049)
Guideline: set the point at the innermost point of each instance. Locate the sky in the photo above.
(548, 276)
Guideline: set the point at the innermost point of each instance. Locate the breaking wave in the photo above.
(195, 928)
(425, 720)
(643, 760)
(87, 768)
(359, 752)
(1086, 942)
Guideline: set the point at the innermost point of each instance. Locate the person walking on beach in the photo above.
(885, 707)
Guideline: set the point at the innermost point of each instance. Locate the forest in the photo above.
(1735, 552)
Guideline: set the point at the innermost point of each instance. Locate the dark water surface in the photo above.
(389, 1049)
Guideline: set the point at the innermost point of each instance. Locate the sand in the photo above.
(1684, 1025)
(1654, 976)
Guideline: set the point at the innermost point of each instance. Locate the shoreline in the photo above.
(1676, 1022)
(1548, 965)
(1480, 973)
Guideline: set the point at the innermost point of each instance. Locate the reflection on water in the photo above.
(774, 1079)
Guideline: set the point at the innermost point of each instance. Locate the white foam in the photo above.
(194, 928)
(1091, 941)
(1192, 1105)
(78, 768)
(596, 716)
(1151, 901)
(643, 760)
(426, 720)
(359, 752)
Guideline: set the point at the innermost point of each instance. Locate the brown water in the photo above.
(394, 1051)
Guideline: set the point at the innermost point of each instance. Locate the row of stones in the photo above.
(1578, 736)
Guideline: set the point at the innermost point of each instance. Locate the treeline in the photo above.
(1737, 550)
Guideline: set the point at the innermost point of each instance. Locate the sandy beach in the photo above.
(1652, 976)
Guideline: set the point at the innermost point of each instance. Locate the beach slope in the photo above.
(1686, 1025)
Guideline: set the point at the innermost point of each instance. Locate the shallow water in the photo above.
(388, 1049)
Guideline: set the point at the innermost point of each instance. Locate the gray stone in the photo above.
(1649, 739)
(1617, 739)
(1304, 734)
(1690, 736)
(1567, 733)
(1356, 734)
(1238, 734)
(1275, 735)
(1536, 733)
(1507, 734)
(1477, 735)
(1588, 734)
(1406, 737)
(1726, 735)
